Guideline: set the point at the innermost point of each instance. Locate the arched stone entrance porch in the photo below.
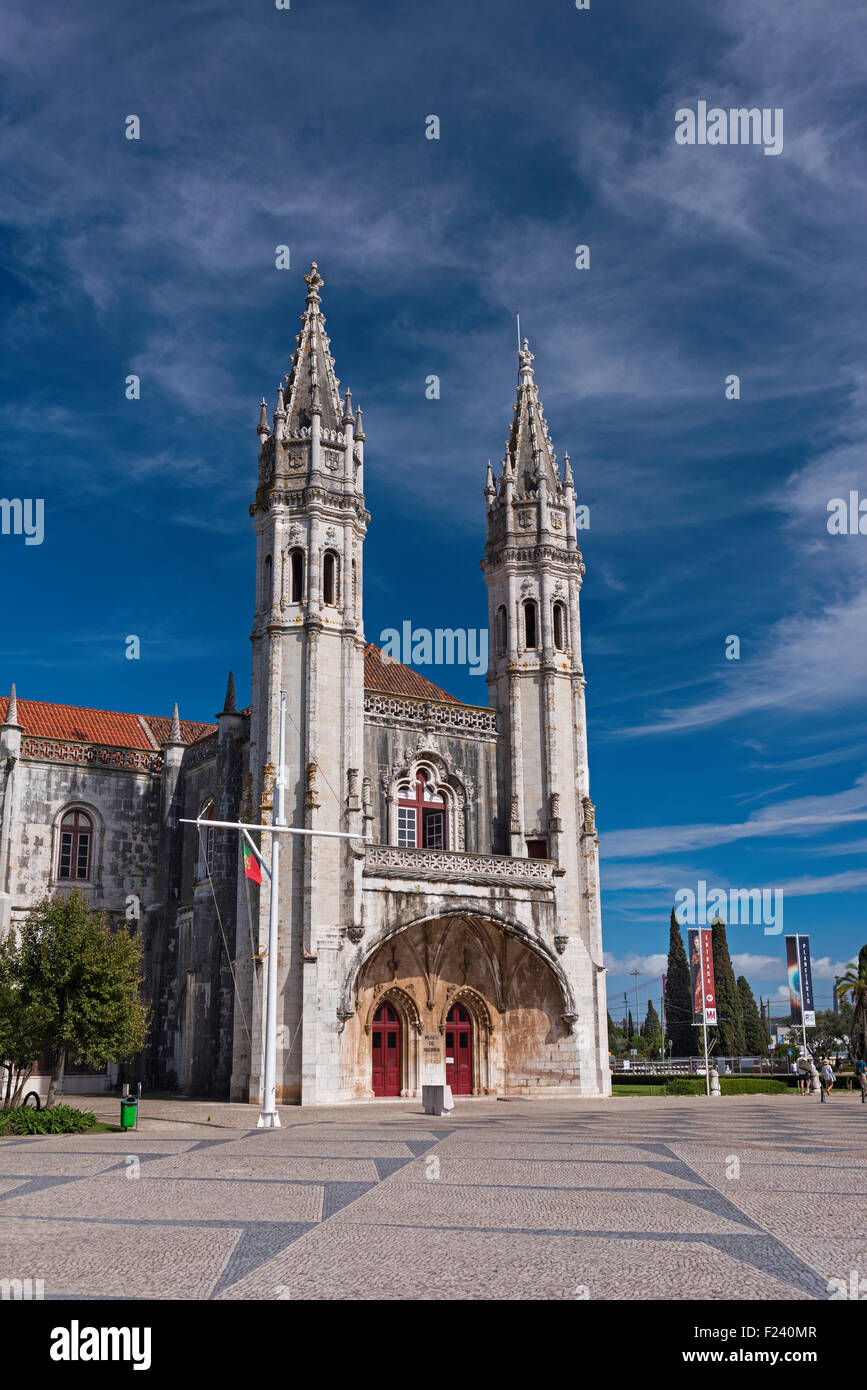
(518, 1005)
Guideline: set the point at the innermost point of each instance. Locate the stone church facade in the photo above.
(457, 934)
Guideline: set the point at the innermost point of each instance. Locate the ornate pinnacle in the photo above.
(348, 417)
(359, 429)
(262, 428)
(175, 735)
(12, 708)
(490, 490)
(314, 283)
(229, 704)
(525, 357)
(568, 480)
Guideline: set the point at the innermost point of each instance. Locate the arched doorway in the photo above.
(459, 1051)
(385, 1047)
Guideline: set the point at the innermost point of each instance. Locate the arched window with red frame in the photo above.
(76, 846)
(421, 815)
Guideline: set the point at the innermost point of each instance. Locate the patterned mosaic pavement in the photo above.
(740, 1197)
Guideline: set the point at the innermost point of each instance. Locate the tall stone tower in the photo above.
(310, 520)
(533, 570)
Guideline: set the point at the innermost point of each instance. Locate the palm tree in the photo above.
(855, 980)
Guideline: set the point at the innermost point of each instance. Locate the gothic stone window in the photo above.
(560, 626)
(296, 562)
(205, 864)
(530, 623)
(329, 577)
(421, 815)
(76, 844)
(501, 630)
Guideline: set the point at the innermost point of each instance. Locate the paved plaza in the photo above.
(738, 1197)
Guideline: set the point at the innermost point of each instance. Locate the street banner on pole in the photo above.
(794, 981)
(701, 975)
(805, 972)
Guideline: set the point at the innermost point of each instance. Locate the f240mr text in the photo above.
(723, 1334)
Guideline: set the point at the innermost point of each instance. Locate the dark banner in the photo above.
(793, 979)
(805, 971)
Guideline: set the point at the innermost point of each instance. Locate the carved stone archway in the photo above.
(410, 1033)
(482, 1029)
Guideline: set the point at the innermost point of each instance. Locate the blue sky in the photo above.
(707, 516)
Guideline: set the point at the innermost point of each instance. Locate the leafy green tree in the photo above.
(82, 982)
(755, 1037)
(616, 1040)
(20, 1026)
(854, 982)
(730, 1019)
(631, 1039)
(678, 997)
(828, 1037)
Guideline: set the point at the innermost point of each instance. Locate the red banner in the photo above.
(701, 975)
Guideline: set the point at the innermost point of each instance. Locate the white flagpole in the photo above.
(268, 1117)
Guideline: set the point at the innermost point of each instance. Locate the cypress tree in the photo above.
(730, 1018)
(754, 1031)
(630, 1030)
(678, 997)
(652, 1030)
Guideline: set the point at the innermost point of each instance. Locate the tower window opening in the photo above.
(296, 561)
(530, 624)
(560, 627)
(501, 630)
(329, 577)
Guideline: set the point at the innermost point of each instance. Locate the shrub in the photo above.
(729, 1086)
(59, 1119)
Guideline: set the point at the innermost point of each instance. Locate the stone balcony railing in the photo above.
(456, 865)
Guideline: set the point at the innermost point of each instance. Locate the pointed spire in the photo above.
(229, 704)
(175, 731)
(280, 409)
(262, 428)
(359, 428)
(568, 480)
(348, 417)
(529, 444)
(312, 383)
(490, 490)
(12, 710)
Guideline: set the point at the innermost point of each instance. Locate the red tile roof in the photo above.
(99, 726)
(392, 678)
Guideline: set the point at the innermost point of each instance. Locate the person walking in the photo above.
(827, 1079)
(804, 1076)
(861, 1074)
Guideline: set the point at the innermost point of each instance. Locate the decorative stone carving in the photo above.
(50, 751)
(267, 802)
(391, 709)
(311, 797)
(589, 816)
(561, 942)
(355, 933)
(441, 863)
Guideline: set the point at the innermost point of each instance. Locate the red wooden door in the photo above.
(385, 1039)
(459, 1051)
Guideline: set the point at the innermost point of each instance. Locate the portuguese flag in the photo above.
(251, 864)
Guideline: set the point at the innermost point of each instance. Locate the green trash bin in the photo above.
(128, 1106)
